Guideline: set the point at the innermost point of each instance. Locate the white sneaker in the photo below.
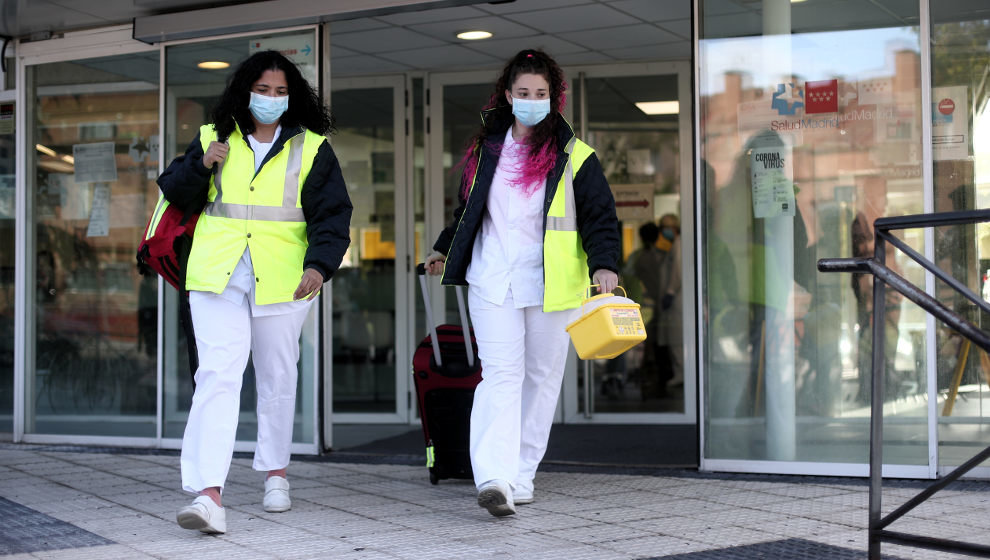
(522, 495)
(277, 495)
(496, 497)
(203, 515)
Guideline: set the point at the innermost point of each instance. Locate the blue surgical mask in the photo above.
(268, 109)
(667, 233)
(530, 111)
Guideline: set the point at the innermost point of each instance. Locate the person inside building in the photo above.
(274, 228)
(669, 325)
(536, 215)
(643, 267)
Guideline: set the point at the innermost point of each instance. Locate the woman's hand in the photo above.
(309, 285)
(215, 153)
(606, 280)
(435, 263)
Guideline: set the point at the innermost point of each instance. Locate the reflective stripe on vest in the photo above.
(565, 264)
(156, 217)
(288, 212)
(567, 222)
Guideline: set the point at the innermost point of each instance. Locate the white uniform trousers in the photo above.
(226, 334)
(523, 352)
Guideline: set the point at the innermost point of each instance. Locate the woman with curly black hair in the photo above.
(536, 222)
(274, 227)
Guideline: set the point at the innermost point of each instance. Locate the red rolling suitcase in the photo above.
(446, 369)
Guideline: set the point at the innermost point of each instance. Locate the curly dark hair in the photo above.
(305, 106)
(541, 141)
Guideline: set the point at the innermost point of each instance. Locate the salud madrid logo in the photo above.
(815, 97)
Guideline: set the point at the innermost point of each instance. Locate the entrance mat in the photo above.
(791, 549)
(27, 530)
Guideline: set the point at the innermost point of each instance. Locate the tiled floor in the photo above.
(78, 503)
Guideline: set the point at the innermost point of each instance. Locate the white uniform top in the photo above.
(508, 250)
(242, 281)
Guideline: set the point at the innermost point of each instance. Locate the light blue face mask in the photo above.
(530, 111)
(268, 109)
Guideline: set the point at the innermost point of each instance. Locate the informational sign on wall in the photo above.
(94, 163)
(950, 123)
(633, 202)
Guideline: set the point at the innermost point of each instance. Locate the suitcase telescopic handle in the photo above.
(431, 324)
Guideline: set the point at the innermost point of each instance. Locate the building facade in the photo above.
(774, 131)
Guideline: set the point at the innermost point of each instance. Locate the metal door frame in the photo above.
(404, 305)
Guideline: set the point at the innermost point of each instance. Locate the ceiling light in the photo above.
(68, 159)
(473, 35)
(659, 107)
(213, 65)
(45, 150)
(796, 1)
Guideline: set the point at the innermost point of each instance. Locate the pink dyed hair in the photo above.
(541, 143)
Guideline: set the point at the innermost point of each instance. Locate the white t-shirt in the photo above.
(508, 250)
(242, 281)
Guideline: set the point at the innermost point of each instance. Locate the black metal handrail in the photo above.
(876, 266)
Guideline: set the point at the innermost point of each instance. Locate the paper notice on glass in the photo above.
(94, 162)
(773, 188)
(950, 123)
(99, 214)
(7, 196)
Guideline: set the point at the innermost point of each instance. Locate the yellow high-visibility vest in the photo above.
(565, 264)
(261, 211)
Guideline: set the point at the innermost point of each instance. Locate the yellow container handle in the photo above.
(587, 291)
(588, 297)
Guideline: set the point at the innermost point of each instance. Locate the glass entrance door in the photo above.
(92, 334)
(454, 108)
(637, 118)
(370, 372)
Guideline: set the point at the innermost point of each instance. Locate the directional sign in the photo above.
(633, 202)
(297, 48)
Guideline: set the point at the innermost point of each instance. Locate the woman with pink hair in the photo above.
(535, 226)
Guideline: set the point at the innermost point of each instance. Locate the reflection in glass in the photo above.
(961, 173)
(96, 132)
(804, 144)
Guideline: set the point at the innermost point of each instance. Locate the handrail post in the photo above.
(884, 278)
(876, 397)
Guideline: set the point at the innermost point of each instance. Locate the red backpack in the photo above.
(167, 241)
